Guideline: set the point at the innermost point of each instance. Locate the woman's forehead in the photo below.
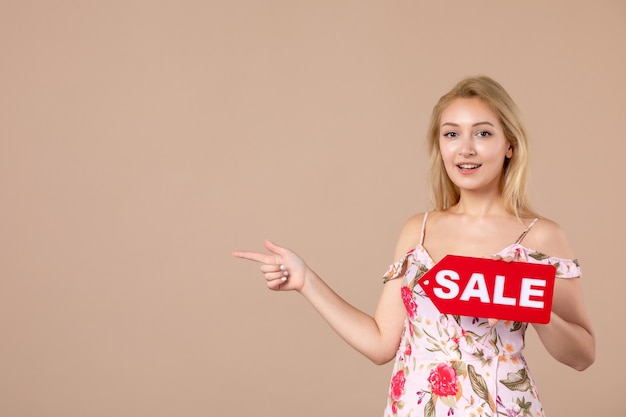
(468, 111)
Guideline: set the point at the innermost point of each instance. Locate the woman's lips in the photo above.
(467, 168)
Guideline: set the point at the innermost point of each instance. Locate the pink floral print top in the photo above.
(460, 365)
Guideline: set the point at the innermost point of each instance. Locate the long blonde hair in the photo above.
(514, 180)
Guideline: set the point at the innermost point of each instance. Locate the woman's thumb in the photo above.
(274, 248)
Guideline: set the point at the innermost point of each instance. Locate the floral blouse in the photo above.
(461, 366)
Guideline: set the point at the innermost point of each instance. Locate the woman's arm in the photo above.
(569, 336)
(377, 337)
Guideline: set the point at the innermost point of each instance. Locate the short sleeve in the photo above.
(396, 269)
(409, 267)
(565, 268)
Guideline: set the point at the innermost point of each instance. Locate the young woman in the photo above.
(458, 365)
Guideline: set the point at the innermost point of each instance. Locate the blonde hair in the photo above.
(514, 180)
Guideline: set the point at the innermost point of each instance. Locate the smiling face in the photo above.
(473, 145)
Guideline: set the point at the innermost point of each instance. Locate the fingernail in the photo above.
(283, 279)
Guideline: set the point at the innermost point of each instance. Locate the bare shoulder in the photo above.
(409, 235)
(548, 237)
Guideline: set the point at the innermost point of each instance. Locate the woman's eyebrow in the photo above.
(474, 125)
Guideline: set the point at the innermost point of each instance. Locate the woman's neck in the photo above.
(478, 205)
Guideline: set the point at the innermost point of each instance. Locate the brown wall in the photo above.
(142, 142)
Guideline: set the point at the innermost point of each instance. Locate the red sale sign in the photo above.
(480, 287)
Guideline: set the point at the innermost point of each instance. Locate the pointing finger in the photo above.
(254, 256)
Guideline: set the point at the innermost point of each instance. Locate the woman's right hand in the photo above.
(283, 269)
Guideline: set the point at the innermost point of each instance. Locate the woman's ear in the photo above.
(509, 152)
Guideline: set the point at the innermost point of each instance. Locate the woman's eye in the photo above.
(483, 134)
(450, 134)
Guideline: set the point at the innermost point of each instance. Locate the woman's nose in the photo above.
(466, 147)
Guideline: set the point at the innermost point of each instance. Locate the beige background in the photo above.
(142, 142)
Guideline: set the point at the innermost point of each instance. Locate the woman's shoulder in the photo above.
(547, 236)
(419, 219)
(410, 234)
(415, 220)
